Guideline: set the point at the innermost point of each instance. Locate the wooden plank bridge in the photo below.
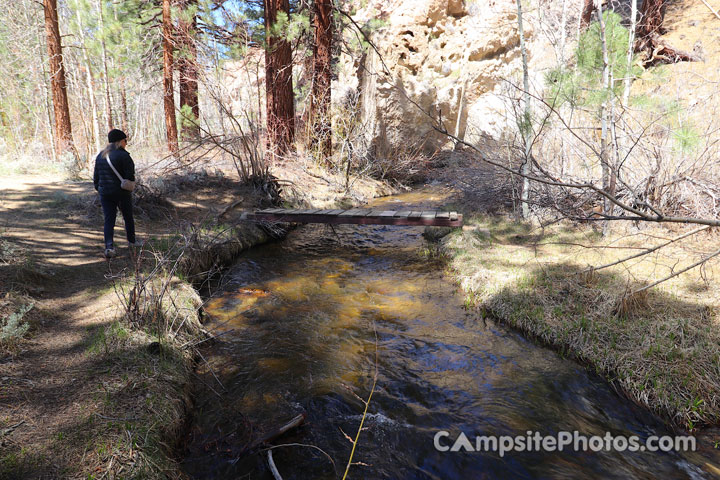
(359, 217)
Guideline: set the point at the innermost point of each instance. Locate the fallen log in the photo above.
(272, 435)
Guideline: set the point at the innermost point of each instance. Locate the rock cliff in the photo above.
(434, 62)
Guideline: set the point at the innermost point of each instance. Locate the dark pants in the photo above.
(110, 205)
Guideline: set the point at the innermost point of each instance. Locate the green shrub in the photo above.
(583, 85)
(12, 328)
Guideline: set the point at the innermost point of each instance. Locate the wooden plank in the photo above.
(348, 213)
(361, 213)
(360, 217)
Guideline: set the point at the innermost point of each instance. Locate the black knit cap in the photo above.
(116, 135)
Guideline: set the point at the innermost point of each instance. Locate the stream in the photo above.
(306, 322)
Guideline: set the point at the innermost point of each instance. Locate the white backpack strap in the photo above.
(107, 157)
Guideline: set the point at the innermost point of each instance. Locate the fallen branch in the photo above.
(648, 250)
(229, 207)
(10, 429)
(211, 370)
(308, 446)
(696, 264)
(212, 337)
(273, 468)
(273, 434)
(711, 8)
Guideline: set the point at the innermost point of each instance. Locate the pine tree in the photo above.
(187, 67)
(278, 79)
(63, 128)
(321, 134)
(168, 92)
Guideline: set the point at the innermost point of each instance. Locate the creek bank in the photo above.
(658, 347)
(126, 409)
(89, 394)
(195, 254)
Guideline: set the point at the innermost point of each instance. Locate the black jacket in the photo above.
(105, 180)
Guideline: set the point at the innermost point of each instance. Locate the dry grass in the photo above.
(142, 405)
(660, 346)
(18, 269)
(132, 415)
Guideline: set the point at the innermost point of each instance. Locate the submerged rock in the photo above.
(434, 234)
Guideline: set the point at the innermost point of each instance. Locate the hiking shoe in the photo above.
(109, 252)
(137, 244)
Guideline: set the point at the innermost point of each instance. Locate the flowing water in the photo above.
(307, 321)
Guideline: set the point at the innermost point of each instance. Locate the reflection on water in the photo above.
(303, 318)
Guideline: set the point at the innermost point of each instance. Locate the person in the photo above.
(112, 196)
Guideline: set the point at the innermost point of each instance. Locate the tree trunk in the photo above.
(525, 126)
(649, 29)
(124, 110)
(280, 98)
(63, 129)
(605, 120)
(587, 11)
(647, 33)
(123, 90)
(187, 67)
(627, 81)
(90, 86)
(168, 93)
(563, 31)
(108, 99)
(50, 130)
(321, 132)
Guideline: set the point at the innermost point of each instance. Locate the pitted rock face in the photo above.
(443, 62)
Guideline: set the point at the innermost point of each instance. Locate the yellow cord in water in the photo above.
(362, 421)
(367, 404)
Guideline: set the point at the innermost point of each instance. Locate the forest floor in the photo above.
(61, 389)
(84, 394)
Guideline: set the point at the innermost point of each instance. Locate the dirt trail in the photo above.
(52, 386)
(49, 384)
